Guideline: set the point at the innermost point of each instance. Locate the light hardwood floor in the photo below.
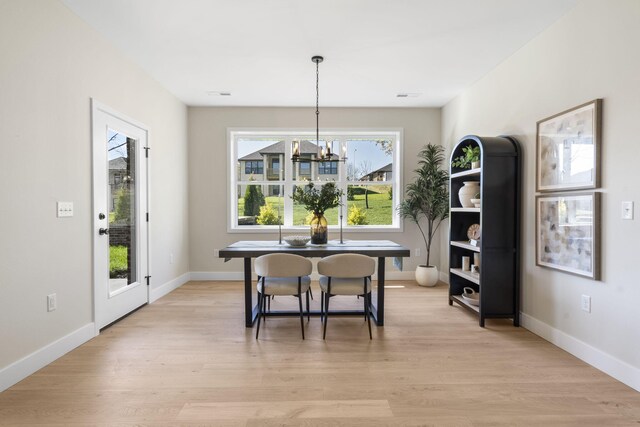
(188, 360)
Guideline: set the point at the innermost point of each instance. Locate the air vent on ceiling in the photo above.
(218, 93)
(408, 95)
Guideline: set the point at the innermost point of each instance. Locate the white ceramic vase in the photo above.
(426, 276)
(467, 192)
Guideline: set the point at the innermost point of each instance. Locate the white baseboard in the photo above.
(444, 277)
(216, 275)
(398, 275)
(164, 289)
(40, 358)
(622, 371)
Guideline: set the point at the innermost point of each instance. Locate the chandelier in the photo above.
(324, 155)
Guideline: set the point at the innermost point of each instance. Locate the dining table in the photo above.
(381, 249)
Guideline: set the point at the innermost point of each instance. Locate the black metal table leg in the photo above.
(380, 308)
(249, 317)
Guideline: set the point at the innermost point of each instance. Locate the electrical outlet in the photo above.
(216, 253)
(417, 252)
(65, 209)
(586, 303)
(170, 258)
(52, 302)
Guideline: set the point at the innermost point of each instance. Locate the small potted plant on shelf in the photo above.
(318, 201)
(427, 200)
(469, 159)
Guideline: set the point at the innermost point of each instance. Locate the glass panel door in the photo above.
(120, 243)
(121, 191)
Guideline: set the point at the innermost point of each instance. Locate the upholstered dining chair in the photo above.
(345, 274)
(282, 274)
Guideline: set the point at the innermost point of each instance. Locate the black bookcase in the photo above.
(498, 280)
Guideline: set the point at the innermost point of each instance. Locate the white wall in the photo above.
(592, 52)
(51, 64)
(208, 170)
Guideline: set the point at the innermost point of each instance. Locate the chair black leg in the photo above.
(321, 307)
(364, 297)
(326, 315)
(260, 301)
(367, 300)
(308, 313)
(264, 308)
(301, 315)
(310, 292)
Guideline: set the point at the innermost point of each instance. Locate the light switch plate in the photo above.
(65, 209)
(585, 303)
(627, 210)
(52, 303)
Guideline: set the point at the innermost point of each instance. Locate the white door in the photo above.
(120, 222)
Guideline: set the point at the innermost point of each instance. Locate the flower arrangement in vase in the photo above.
(318, 201)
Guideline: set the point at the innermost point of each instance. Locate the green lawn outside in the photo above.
(117, 261)
(380, 210)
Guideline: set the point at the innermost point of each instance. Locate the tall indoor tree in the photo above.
(427, 204)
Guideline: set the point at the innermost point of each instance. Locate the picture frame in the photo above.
(568, 149)
(568, 233)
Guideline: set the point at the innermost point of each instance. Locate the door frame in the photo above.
(96, 107)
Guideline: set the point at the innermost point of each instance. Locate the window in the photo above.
(305, 168)
(253, 166)
(369, 178)
(328, 168)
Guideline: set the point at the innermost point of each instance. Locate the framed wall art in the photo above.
(568, 149)
(568, 233)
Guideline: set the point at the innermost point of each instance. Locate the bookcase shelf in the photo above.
(465, 245)
(472, 277)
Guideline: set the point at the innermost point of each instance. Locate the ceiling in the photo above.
(260, 50)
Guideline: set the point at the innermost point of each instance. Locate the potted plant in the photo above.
(469, 159)
(318, 201)
(427, 200)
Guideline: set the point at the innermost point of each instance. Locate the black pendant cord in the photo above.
(317, 106)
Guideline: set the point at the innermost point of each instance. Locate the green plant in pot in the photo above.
(470, 158)
(318, 201)
(427, 205)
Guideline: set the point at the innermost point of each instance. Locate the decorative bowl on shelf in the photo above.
(296, 240)
(471, 296)
(476, 202)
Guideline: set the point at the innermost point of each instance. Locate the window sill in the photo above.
(333, 229)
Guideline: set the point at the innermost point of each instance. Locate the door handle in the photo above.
(103, 231)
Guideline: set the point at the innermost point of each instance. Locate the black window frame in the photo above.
(332, 168)
(253, 167)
